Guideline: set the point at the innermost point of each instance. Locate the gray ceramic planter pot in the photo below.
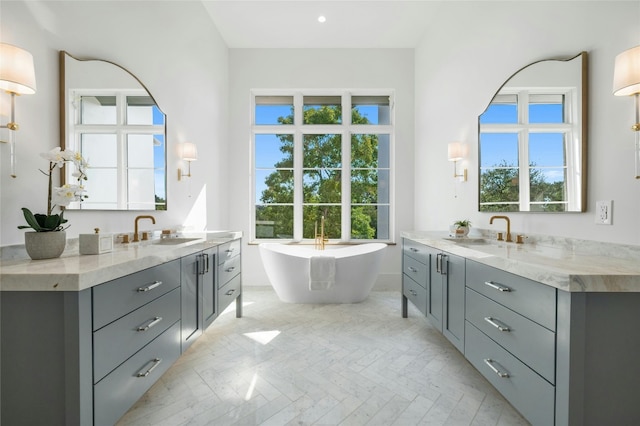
(45, 245)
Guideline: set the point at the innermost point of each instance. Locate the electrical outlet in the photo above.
(604, 212)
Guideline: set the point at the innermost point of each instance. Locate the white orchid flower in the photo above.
(54, 156)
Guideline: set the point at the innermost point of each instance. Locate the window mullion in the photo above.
(346, 186)
(298, 216)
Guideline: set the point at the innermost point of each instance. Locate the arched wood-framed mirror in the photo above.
(108, 115)
(532, 140)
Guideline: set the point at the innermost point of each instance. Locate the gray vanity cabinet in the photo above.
(198, 294)
(446, 296)
(229, 276)
(434, 281)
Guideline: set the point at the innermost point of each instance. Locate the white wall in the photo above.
(463, 59)
(175, 49)
(318, 69)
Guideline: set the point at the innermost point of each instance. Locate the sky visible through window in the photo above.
(545, 149)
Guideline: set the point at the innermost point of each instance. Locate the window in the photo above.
(526, 159)
(312, 160)
(122, 136)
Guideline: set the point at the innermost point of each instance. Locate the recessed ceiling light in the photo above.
(322, 19)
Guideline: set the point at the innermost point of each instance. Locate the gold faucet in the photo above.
(509, 240)
(320, 238)
(135, 232)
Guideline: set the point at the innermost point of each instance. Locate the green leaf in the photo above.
(31, 220)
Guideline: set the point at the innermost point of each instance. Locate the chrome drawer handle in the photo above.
(413, 249)
(413, 293)
(153, 322)
(502, 374)
(496, 286)
(150, 287)
(412, 269)
(229, 250)
(492, 321)
(230, 269)
(230, 292)
(156, 362)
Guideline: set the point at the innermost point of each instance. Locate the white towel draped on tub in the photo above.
(322, 272)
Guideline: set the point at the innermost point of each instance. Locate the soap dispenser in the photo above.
(96, 243)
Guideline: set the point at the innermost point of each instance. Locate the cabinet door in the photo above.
(191, 298)
(208, 279)
(453, 274)
(435, 289)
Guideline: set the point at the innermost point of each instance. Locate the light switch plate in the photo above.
(604, 212)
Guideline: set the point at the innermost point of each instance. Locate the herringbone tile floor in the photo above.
(289, 364)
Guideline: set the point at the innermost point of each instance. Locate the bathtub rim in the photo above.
(337, 250)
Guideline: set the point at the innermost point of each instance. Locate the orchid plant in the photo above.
(60, 196)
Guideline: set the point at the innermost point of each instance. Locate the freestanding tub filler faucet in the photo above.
(135, 231)
(508, 239)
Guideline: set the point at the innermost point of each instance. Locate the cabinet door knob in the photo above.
(501, 374)
(150, 286)
(493, 322)
(497, 286)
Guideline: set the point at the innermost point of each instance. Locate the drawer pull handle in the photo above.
(153, 322)
(493, 322)
(156, 362)
(502, 374)
(412, 269)
(497, 286)
(413, 249)
(229, 250)
(231, 269)
(149, 287)
(230, 292)
(413, 293)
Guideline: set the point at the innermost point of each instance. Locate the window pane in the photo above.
(101, 188)
(369, 186)
(312, 215)
(142, 110)
(322, 186)
(546, 149)
(99, 150)
(370, 150)
(499, 185)
(546, 109)
(274, 222)
(322, 151)
(140, 150)
(370, 110)
(274, 186)
(498, 149)
(370, 222)
(503, 109)
(98, 110)
(274, 110)
(547, 184)
(322, 110)
(274, 151)
(141, 189)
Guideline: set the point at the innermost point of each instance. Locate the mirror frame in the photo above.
(584, 112)
(62, 87)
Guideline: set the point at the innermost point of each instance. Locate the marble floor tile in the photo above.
(298, 365)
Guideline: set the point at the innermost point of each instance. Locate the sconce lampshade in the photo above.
(189, 151)
(626, 74)
(17, 74)
(455, 151)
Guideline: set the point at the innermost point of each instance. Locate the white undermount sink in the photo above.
(174, 241)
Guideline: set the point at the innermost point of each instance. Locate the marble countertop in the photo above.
(567, 264)
(74, 272)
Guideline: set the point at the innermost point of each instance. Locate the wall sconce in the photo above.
(17, 77)
(456, 151)
(189, 153)
(626, 82)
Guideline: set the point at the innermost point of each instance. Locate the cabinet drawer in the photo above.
(117, 298)
(116, 342)
(227, 270)
(415, 293)
(229, 292)
(118, 391)
(416, 250)
(416, 270)
(527, 340)
(228, 250)
(529, 298)
(529, 393)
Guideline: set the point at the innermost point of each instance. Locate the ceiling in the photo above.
(349, 23)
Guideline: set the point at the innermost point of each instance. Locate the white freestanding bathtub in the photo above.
(356, 270)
